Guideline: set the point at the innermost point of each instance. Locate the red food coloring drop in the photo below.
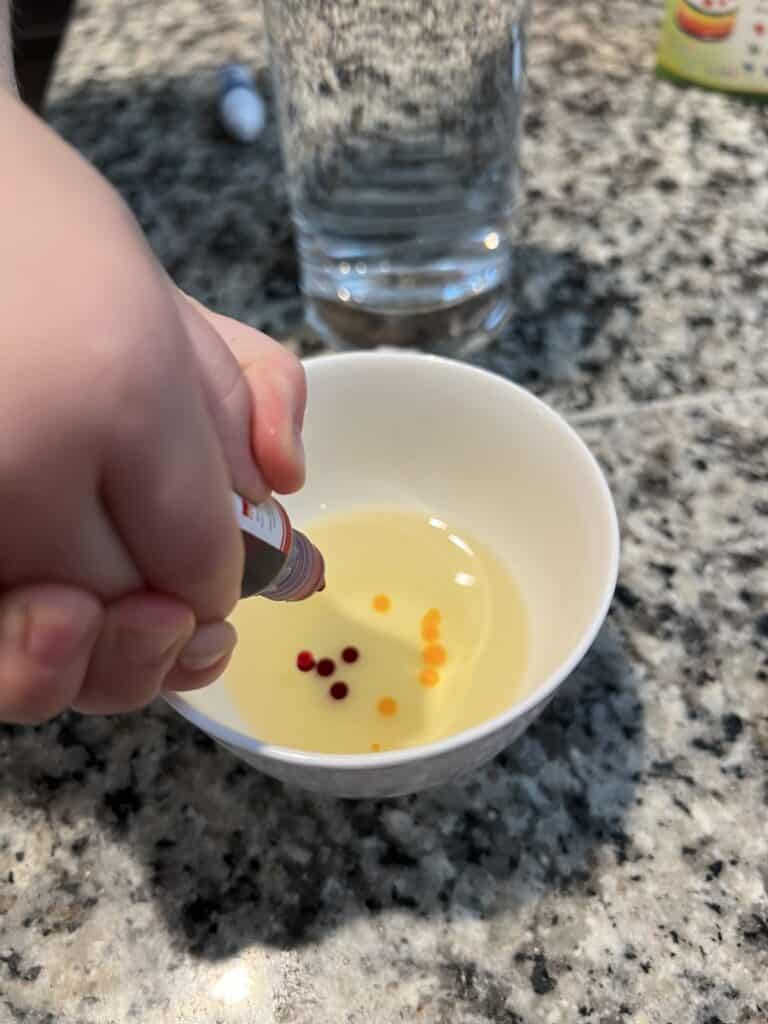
(325, 667)
(350, 655)
(339, 691)
(304, 661)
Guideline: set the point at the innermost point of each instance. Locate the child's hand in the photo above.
(128, 413)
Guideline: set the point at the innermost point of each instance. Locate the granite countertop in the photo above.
(611, 867)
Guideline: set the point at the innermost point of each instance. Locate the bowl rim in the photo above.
(237, 740)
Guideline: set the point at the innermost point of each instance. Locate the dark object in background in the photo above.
(38, 28)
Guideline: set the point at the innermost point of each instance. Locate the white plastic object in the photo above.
(242, 111)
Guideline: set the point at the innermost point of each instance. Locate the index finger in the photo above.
(277, 385)
(168, 491)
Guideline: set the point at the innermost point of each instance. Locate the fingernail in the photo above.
(298, 447)
(210, 644)
(292, 439)
(297, 396)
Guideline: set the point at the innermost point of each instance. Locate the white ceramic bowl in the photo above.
(394, 427)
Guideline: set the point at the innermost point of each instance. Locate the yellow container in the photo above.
(721, 44)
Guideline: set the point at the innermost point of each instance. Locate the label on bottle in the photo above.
(267, 521)
(722, 44)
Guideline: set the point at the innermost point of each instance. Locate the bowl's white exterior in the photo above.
(402, 427)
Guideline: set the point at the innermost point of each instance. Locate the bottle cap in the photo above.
(302, 575)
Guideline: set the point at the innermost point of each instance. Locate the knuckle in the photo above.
(280, 361)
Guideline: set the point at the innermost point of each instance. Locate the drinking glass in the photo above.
(400, 126)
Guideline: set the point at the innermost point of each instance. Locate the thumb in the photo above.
(256, 392)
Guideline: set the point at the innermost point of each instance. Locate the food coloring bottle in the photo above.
(280, 562)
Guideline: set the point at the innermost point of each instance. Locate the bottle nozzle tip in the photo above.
(303, 574)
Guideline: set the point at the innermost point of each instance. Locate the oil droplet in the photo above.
(429, 677)
(382, 603)
(339, 691)
(387, 706)
(350, 655)
(434, 655)
(326, 667)
(305, 662)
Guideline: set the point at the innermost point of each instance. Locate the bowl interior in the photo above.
(444, 438)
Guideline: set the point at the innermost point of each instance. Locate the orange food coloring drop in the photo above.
(429, 677)
(381, 603)
(430, 633)
(432, 617)
(387, 706)
(375, 747)
(435, 654)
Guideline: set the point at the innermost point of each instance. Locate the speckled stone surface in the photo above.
(642, 270)
(612, 867)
